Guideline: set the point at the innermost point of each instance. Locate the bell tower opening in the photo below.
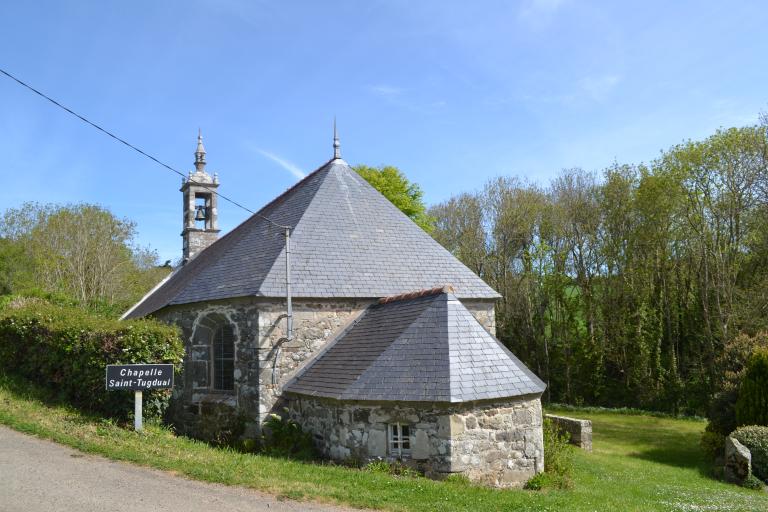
(201, 217)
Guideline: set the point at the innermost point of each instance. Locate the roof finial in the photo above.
(200, 153)
(336, 144)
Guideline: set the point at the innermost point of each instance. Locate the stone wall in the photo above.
(198, 410)
(314, 324)
(264, 360)
(195, 240)
(496, 443)
(580, 431)
(499, 444)
(484, 311)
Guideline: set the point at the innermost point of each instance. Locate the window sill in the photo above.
(212, 396)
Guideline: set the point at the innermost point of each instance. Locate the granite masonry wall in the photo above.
(495, 443)
(196, 408)
(264, 359)
(484, 311)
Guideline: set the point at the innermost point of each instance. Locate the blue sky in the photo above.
(453, 93)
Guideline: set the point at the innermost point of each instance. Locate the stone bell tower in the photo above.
(201, 216)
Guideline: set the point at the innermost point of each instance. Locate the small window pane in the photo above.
(399, 439)
(224, 359)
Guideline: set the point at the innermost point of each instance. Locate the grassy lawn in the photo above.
(639, 463)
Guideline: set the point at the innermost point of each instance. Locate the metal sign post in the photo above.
(139, 377)
(137, 412)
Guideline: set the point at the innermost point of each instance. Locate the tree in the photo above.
(15, 270)
(459, 227)
(80, 251)
(407, 196)
(624, 288)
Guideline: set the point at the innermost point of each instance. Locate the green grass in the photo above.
(639, 463)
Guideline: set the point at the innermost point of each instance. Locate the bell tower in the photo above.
(201, 216)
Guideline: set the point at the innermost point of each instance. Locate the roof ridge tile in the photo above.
(425, 292)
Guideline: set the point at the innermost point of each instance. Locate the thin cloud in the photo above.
(595, 88)
(598, 87)
(405, 98)
(285, 164)
(539, 12)
(388, 91)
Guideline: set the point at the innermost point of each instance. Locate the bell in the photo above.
(200, 214)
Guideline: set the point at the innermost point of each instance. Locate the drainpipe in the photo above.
(289, 304)
(289, 319)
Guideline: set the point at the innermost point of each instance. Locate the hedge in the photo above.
(67, 349)
(755, 438)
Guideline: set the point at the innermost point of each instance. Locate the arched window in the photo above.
(223, 362)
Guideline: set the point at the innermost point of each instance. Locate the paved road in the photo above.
(40, 476)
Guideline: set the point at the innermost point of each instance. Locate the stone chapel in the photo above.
(331, 306)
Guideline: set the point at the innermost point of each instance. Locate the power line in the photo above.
(138, 150)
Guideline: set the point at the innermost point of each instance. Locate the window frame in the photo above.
(217, 363)
(399, 443)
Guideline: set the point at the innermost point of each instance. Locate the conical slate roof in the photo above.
(426, 349)
(348, 241)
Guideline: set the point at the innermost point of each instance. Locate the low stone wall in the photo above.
(496, 443)
(579, 430)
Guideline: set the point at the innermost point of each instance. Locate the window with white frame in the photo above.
(399, 439)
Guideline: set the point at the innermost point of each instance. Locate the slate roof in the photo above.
(349, 241)
(428, 348)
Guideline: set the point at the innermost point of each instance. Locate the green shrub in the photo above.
(753, 483)
(755, 438)
(285, 438)
(539, 482)
(722, 411)
(558, 460)
(732, 364)
(377, 466)
(712, 443)
(395, 468)
(67, 349)
(752, 404)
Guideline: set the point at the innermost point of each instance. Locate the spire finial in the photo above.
(336, 144)
(200, 153)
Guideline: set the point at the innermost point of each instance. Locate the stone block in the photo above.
(380, 416)
(421, 446)
(361, 415)
(738, 461)
(444, 426)
(377, 443)
(515, 477)
(457, 425)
